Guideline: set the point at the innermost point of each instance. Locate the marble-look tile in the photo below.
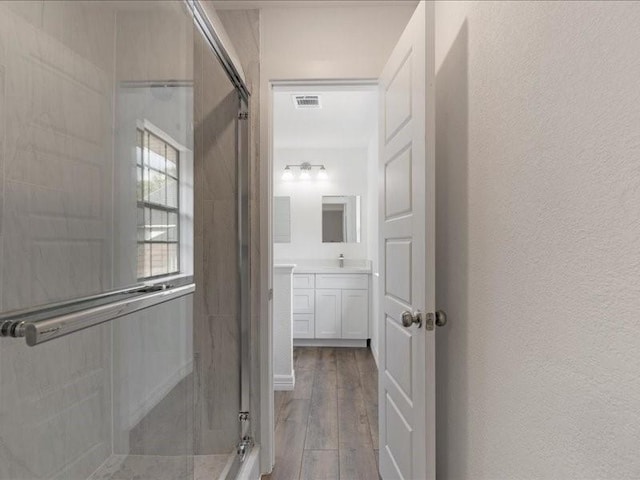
(108, 468)
(29, 11)
(168, 428)
(217, 429)
(57, 164)
(154, 467)
(243, 27)
(216, 303)
(210, 467)
(146, 467)
(2, 154)
(83, 28)
(158, 33)
(152, 380)
(55, 399)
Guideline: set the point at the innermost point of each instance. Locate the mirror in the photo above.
(281, 219)
(341, 219)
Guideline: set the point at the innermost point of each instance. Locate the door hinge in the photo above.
(270, 295)
(243, 115)
(243, 416)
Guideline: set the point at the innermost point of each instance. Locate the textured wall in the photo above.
(538, 108)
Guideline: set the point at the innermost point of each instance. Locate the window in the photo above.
(157, 166)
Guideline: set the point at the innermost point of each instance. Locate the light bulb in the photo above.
(322, 174)
(304, 175)
(287, 174)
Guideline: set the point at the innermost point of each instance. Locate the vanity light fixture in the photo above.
(287, 174)
(304, 175)
(322, 174)
(305, 171)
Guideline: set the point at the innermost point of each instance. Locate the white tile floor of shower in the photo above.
(156, 467)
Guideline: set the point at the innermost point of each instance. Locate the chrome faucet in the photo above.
(341, 260)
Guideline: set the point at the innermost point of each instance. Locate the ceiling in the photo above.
(347, 118)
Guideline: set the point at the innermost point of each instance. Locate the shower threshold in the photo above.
(157, 467)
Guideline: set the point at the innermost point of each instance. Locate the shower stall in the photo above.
(124, 292)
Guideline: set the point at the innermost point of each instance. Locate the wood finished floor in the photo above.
(327, 428)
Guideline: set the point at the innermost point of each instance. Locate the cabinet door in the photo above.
(303, 325)
(328, 313)
(355, 314)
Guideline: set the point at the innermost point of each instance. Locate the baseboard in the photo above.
(374, 352)
(284, 382)
(328, 342)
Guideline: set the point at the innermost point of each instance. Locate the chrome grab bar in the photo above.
(42, 324)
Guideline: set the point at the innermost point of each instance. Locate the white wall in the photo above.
(347, 171)
(538, 225)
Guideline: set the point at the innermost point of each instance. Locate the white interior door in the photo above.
(407, 263)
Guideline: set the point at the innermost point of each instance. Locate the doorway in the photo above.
(325, 279)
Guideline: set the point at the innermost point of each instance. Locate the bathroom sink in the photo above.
(326, 266)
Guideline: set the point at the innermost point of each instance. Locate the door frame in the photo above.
(267, 414)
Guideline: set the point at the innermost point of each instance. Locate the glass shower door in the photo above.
(120, 179)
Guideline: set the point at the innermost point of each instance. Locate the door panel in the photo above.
(328, 313)
(355, 314)
(397, 280)
(398, 366)
(407, 220)
(397, 180)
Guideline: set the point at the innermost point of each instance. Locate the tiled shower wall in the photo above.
(60, 238)
(243, 27)
(216, 299)
(55, 400)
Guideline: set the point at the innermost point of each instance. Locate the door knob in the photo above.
(409, 319)
(441, 318)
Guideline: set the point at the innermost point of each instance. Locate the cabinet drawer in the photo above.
(303, 280)
(303, 300)
(303, 325)
(342, 280)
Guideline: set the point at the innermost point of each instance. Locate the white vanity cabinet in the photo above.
(330, 308)
(355, 314)
(328, 313)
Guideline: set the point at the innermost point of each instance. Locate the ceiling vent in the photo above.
(306, 101)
